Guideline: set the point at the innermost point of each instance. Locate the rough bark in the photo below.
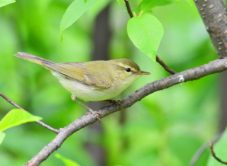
(214, 16)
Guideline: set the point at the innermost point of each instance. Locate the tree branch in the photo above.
(214, 16)
(187, 75)
(39, 122)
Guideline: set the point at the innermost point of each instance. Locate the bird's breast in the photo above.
(91, 93)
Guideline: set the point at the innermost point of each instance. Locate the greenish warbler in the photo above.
(93, 80)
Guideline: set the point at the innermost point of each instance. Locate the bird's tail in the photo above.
(34, 59)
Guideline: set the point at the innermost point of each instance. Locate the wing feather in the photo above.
(85, 73)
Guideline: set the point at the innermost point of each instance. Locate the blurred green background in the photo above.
(164, 129)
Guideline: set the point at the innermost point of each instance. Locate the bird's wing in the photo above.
(88, 75)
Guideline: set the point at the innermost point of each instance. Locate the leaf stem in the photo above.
(41, 123)
(158, 59)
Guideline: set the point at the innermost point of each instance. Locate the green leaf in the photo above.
(147, 5)
(146, 32)
(75, 10)
(190, 2)
(220, 150)
(6, 2)
(2, 136)
(66, 161)
(97, 8)
(16, 117)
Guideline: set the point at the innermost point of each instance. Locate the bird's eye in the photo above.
(127, 69)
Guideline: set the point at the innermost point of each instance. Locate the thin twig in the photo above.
(211, 145)
(202, 149)
(10, 101)
(205, 146)
(39, 122)
(128, 7)
(187, 75)
(198, 154)
(158, 59)
(162, 63)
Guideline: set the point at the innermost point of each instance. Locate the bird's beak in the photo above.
(143, 73)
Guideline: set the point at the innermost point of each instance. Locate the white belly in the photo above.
(89, 93)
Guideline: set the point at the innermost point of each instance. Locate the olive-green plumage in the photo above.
(93, 80)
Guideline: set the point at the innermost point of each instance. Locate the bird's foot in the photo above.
(95, 113)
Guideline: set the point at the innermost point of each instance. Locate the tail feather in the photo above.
(34, 59)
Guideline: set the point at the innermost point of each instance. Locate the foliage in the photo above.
(165, 128)
(2, 136)
(6, 2)
(14, 118)
(75, 10)
(149, 25)
(66, 161)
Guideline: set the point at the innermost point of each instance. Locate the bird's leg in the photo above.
(74, 98)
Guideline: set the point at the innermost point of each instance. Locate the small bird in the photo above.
(93, 80)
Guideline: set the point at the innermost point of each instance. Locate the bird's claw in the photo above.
(96, 114)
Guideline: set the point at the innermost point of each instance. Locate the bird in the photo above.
(91, 81)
